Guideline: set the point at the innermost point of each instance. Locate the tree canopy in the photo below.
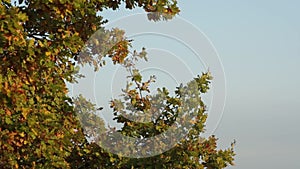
(41, 44)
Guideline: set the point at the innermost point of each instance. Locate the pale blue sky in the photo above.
(259, 46)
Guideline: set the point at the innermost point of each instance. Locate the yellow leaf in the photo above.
(48, 53)
(40, 43)
(25, 112)
(34, 132)
(22, 134)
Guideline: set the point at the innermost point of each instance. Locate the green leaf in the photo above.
(136, 76)
(8, 120)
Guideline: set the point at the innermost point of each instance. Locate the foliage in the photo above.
(40, 42)
(158, 113)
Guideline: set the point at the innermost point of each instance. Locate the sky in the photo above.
(258, 46)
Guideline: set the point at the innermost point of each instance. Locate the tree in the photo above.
(163, 114)
(40, 42)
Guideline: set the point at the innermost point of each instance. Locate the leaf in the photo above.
(136, 76)
(8, 120)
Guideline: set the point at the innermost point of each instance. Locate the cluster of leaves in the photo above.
(104, 43)
(40, 42)
(183, 115)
